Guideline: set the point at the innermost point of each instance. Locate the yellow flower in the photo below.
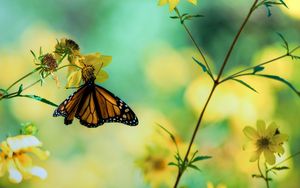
(96, 60)
(266, 140)
(174, 3)
(211, 185)
(15, 160)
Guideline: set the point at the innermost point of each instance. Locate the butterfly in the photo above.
(94, 105)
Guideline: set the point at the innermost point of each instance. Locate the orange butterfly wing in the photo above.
(93, 106)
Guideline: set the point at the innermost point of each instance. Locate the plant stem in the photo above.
(267, 178)
(194, 42)
(261, 64)
(216, 83)
(235, 40)
(23, 77)
(195, 132)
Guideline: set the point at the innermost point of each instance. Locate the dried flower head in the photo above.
(49, 63)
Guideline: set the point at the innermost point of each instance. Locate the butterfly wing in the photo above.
(112, 109)
(69, 106)
(93, 106)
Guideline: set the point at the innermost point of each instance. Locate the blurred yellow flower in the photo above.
(96, 60)
(267, 140)
(174, 3)
(154, 165)
(15, 160)
(211, 185)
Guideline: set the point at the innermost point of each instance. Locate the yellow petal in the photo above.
(280, 138)
(251, 133)
(105, 60)
(43, 155)
(261, 128)
(14, 174)
(173, 4)
(22, 142)
(255, 155)
(102, 76)
(269, 156)
(193, 2)
(2, 166)
(74, 79)
(22, 163)
(162, 2)
(38, 172)
(210, 185)
(270, 132)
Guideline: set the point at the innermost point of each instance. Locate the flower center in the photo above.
(158, 164)
(263, 143)
(88, 73)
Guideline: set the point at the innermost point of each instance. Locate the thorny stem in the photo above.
(194, 42)
(216, 83)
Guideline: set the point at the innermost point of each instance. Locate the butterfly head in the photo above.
(88, 73)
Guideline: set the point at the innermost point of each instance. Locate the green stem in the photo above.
(15, 94)
(237, 74)
(216, 83)
(235, 40)
(23, 77)
(195, 43)
(267, 178)
(288, 158)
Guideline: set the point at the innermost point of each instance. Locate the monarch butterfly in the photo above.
(93, 105)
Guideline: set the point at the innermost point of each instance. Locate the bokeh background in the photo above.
(153, 71)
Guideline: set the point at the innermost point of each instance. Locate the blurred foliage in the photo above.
(153, 71)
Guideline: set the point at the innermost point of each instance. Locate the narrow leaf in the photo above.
(245, 84)
(274, 77)
(174, 17)
(286, 45)
(256, 176)
(20, 89)
(172, 164)
(282, 2)
(194, 167)
(201, 65)
(169, 133)
(281, 168)
(40, 99)
(258, 69)
(200, 158)
(3, 91)
(268, 7)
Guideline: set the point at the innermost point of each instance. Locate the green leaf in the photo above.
(258, 69)
(194, 167)
(201, 65)
(286, 44)
(268, 7)
(282, 2)
(274, 77)
(256, 176)
(20, 89)
(172, 164)
(3, 91)
(201, 158)
(245, 84)
(174, 17)
(39, 99)
(281, 168)
(169, 133)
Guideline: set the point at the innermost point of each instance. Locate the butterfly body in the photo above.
(93, 105)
